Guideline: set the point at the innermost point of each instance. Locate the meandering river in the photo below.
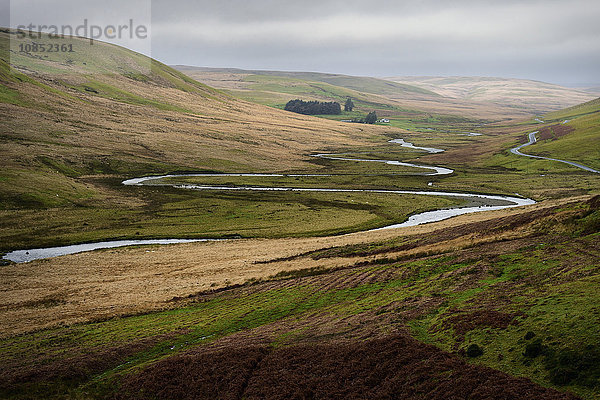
(481, 202)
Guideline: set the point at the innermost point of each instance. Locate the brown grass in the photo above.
(101, 284)
(554, 132)
(397, 367)
(217, 132)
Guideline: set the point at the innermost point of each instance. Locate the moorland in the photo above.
(304, 298)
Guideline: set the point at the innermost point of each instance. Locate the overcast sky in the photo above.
(551, 40)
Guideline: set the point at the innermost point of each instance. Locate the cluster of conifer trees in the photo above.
(327, 108)
(313, 107)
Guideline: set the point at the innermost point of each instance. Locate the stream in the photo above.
(479, 202)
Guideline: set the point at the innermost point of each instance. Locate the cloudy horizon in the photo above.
(555, 41)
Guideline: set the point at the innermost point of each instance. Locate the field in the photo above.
(303, 300)
(487, 283)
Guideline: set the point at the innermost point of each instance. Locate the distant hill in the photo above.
(357, 83)
(472, 97)
(534, 96)
(594, 90)
(407, 105)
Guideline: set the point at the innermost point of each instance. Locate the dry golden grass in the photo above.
(474, 97)
(106, 283)
(214, 133)
(533, 96)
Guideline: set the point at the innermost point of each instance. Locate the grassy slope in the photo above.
(80, 122)
(353, 83)
(576, 140)
(407, 106)
(582, 144)
(536, 273)
(276, 89)
(359, 84)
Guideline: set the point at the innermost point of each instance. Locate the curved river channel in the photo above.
(479, 202)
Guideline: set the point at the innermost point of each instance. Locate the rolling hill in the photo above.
(407, 105)
(76, 124)
(354, 83)
(534, 96)
(495, 305)
(113, 82)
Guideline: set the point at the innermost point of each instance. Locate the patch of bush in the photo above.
(474, 350)
(534, 349)
(529, 335)
(581, 367)
(313, 107)
(395, 367)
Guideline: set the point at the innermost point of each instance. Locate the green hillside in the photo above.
(590, 107)
(277, 90)
(571, 134)
(356, 83)
(406, 106)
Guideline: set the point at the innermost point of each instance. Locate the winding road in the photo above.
(483, 202)
(532, 140)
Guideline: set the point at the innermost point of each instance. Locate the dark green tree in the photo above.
(349, 106)
(371, 118)
(313, 107)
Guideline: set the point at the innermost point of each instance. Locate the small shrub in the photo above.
(474, 350)
(534, 349)
(529, 335)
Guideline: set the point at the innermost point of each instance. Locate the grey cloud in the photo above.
(553, 40)
(277, 10)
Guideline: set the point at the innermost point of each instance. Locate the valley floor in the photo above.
(493, 305)
(511, 290)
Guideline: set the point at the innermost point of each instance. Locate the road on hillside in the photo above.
(532, 140)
